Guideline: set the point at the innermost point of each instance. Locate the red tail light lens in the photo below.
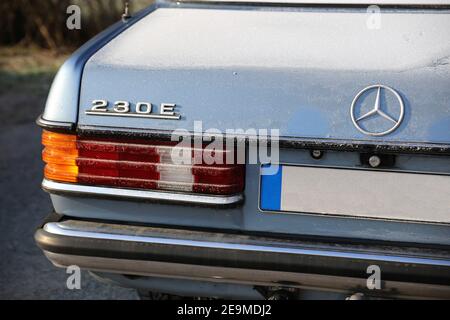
(140, 164)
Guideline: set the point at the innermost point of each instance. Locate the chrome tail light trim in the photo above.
(71, 188)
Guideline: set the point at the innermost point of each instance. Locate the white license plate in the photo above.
(357, 192)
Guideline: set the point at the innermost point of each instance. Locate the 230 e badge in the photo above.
(142, 110)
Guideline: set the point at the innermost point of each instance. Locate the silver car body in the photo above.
(296, 67)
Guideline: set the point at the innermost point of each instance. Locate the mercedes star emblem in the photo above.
(377, 110)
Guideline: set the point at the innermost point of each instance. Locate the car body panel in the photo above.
(291, 82)
(219, 70)
(248, 217)
(335, 2)
(283, 65)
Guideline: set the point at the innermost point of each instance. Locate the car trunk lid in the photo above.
(294, 70)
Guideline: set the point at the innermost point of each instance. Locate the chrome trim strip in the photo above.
(52, 186)
(64, 230)
(251, 277)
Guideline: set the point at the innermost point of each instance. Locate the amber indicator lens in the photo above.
(60, 154)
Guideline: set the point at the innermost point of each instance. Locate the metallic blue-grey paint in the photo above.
(300, 101)
(249, 217)
(249, 70)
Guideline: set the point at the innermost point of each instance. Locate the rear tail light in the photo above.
(137, 164)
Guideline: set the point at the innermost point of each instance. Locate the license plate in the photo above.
(356, 192)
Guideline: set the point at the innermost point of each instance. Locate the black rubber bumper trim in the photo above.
(287, 262)
(56, 126)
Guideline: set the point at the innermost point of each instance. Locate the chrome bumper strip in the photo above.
(71, 231)
(57, 187)
(250, 277)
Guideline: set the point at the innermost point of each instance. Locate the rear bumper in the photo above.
(257, 261)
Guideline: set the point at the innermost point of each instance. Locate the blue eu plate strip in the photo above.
(270, 196)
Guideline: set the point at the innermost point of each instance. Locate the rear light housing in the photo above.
(136, 164)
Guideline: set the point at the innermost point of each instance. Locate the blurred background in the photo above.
(34, 42)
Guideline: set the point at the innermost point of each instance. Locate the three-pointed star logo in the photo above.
(377, 110)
